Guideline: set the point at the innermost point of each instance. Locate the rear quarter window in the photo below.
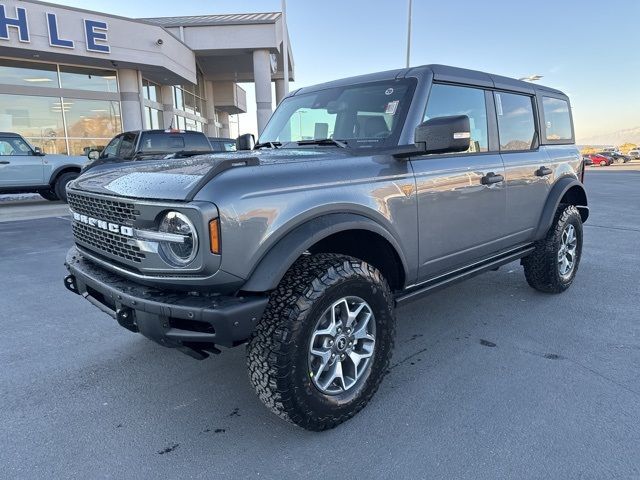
(557, 119)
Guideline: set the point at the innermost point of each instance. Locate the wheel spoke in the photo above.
(353, 315)
(361, 330)
(334, 374)
(324, 356)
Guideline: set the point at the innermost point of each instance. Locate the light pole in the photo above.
(531, 78)
(285, 47)
(409, 33)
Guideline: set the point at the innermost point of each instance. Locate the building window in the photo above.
(80, 78)
(38, 119)
(150, 90)
(15, 72)
(90, 123)
(154, 118)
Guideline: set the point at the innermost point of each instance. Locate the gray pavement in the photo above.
(490, 379)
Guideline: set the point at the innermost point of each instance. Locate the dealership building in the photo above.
(72, 78)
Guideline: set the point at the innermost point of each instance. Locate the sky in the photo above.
(590, 49)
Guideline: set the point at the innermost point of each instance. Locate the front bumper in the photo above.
(193, 323)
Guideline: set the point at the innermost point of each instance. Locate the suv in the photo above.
(635, 153)
(26, 169)
(412, 180)
(149, 145)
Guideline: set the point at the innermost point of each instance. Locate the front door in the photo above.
(18, 164)
(461, 196)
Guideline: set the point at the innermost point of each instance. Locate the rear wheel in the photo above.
(324, 343)
(61, 184)
(603, 163)
(553, 264)
(48, 195)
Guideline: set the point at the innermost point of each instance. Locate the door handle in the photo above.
(491, 178)
(543, 172)
(4, 162)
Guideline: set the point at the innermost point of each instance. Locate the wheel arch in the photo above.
(333, 233)
(61, 170)
(567, 190)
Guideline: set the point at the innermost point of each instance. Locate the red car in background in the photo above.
(601, 160)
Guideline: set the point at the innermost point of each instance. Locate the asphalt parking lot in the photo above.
(490, 379)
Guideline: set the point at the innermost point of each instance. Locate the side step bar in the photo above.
(455, 276)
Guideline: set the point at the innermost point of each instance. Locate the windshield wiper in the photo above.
(267, 144)
(324, 141)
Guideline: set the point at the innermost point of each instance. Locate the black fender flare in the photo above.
(558, 191)
(275, 263)
(62, 169)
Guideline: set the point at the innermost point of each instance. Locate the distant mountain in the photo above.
(631, 135)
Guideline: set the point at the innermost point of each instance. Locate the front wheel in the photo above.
(553, 264)
(324, 343)
(61, 184)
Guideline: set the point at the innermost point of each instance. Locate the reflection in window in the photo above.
(154, 118)
(92, 118)
(88, 79)
(448, 100)
(31, 116)
(516, 124)
(557, 119)
(15, 72)
(150, 90)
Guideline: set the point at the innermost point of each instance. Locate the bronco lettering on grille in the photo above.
(101, 224)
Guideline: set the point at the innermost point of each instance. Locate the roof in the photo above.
(442, 73)
(212, 20)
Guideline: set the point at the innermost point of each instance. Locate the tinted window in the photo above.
(516, 125)
(557, 119)
(447, 100)
(174, 142)
(128, 145)
(111, 150)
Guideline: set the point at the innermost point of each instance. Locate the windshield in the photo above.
(360, 115)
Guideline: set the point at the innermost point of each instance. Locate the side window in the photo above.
(516, 124)
(14, 146)
(448, 100)
(557, 119)
(127, 145)
(111, 150)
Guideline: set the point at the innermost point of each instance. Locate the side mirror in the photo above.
(246, 142)
(93, 154)
(443, 135)
(37, 151)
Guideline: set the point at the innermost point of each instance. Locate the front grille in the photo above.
(121, 212)
(107, 242)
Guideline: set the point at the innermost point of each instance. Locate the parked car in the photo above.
(600, 160)
(222, 144)
(587, 160)
(635, 153)
(149, 145)
(302, 248)
(27, 169)
(616, 157)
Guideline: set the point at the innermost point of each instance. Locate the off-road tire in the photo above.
(60, 187)
(277, 353)
(49, 195)
(541, 266)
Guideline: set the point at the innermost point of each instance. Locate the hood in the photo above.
(180, 179)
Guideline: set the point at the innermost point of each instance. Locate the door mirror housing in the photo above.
(246, 142)
(443, 135)
(93, 155)
(37, 151)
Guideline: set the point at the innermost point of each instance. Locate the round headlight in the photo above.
(179, 253)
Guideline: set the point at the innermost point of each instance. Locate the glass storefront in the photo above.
(55, 123)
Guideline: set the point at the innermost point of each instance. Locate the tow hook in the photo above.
(125, 317)
(70, 284)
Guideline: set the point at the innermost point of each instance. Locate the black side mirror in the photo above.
(443, 135)
(93, 155)
(246, 142)
(37, 151)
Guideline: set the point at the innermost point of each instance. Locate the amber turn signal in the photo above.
(214, 236)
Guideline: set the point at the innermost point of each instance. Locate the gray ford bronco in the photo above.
(361, 194)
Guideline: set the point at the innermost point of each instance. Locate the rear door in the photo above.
(18, 164)
(529, 170)
(461, 196)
